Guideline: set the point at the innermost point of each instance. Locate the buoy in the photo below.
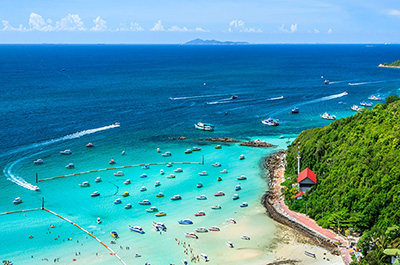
(30, 236)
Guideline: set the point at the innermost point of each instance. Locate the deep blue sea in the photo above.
(50, 92)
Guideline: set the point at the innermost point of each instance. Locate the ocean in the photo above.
(57, 97)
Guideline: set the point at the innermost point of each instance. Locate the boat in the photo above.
(185, 222)
(128, 206)
(244, 204)
(169, 164)
(234, 96)
(188, 151)
(97, 180)
(238, 187)
(117, 201)
(229, 244)
(98, 220)
(235, 196)
(201, 230)
(159, 195)
(125, 194)
(17, 200)
(112, 162)
(114, 234)
(217, 164)
(366, 104)
(38, 161)
(137, 229)
(216, 207)
(157, 183)
(375, 97)
(137, 255)
(281, 137)
(119, 173)
(36, 188)
(159, 226)
(219, 193)
(199, 185)
(144, 202)
(66, 152)
(270, 122)
(214, 228)
(327, 116)
(89, 145)
(196, 148)
(171, 176)
(161, 213)
(191, 235)
(202, 197)
(70, 165)
(176, 197)
(295, 110)
(95, 194)
(143, 188)
(309, 254)
(158, 150)
(152, 209)
(178, 170)
(224, 171)
(204, 126)
(245, 237)
(203, 173)
(185, 262)
(200, 213)
(242, 177)
(127, 182)
(123, 152)
(231, 220)
(241, 157)
(355, 108)
(218, 147)
(161, 171)
(146, 167)
(219, 179)
(84, 184)
(143, 176)
(204, 256)
(326, 82)
(166, 154)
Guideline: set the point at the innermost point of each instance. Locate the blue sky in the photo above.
(178, 21)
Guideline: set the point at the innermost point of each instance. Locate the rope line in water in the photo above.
(20, 211)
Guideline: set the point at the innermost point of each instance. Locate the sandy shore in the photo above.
(388, 66)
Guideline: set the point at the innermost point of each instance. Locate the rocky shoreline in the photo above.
(255, 143)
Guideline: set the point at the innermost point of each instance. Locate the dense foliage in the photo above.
(395, 63)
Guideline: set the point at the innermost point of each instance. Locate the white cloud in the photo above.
(36, 22)
(316, 31)
(293, 28)
(394, 12)
(199, 29)
(100, 24)
(70, 23)
(7, 27)
(136, 27)
(158, 27)
(329, 31)
(178, 29)
(238, 26)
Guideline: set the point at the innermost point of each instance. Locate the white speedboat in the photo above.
(203, 173)
(152, 209)
(375, 97)
(137, 229)
(117, 201)
(238, 187)
(355, 108)
(231, 220)
(66, 152)
(95, 194)
(90, 145)
(216, 207)
(270, 122)
(327, 116)
(38, 161)
(70, 165)
(202, 197)
(245, 237)
(200, 213)
(97, 180)
(217, 164)
(214, 228)
(162, 172)
(143, 188)
(229, 244)
(242, 177)
(123, 152)
(169, 164)
(157, 183)
(185, 222)
(98, 220)
(176, 197)
(244, 204)
(171, 176)
(127, 182)
(201, 230)
(146, 167)
(188, 151)
(235, 196)
(366, 104)
(112, 162)
(159, 226)
(143, 176)
(128, 206)
(241, 157)
(144, 202)
(178, 170)
(17, 200)
(119, 173)
(204, 126)
(185, 262)
(224, 171)
(199, 185)
(204, 256)
(167, 154)
(196, 148)
(84, 184)
(191, 235)
(159, 195)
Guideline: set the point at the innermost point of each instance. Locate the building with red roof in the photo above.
(306, 179)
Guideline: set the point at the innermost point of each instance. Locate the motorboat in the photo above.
(185, 222)
(375, 97)
(36, 188)
(169, 164)
(70, 165)
(327, 116)
(242, 177)
(214, 228)
(201, 230)
(235, 196)
(152, 209)
(355, 108)
(185, 262)
(97, 180)
(176, 197)
(117, 201)
(89, 145)
(203, 173)
(204, 256)
(191, 235)
(128, 206)
(244, 204)
(95, 194)
(295, 110)
(234, 96)
(144, 202)
(146, 167)
(366, 104)
(219, 179)
(125, 194)
(217, 164)
(119, 173)
(157, 183)
(188, 151)
(161, 213)
(229, 244)
(127, 182)
(224, 171)
(202, 197)
(199, 185)
(200, 213)
(196, 148)
(218, 147)
(216, 207)
(38, 161)
(159, 226)
(166, 154)
(137, 255)
(161, 171)
(143, 188)
(326, 82)
(98, 220)
(112, 162)
(204, 126)
(241, 157)
(281, 137)
(17, 200)
(143, 176)
(137, 229)
(171, 176)
(238, 187)
(84, 184)
(123, 152)
(231, 220)
(219, 193)
(270, 122)
(159, 195)
(114, 234)
(66, 152)
(158, 150)
(245, 237)
(178, 170)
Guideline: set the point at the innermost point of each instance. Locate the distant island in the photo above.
(214, 42)
(395, 64)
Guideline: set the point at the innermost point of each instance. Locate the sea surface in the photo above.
(57, 97)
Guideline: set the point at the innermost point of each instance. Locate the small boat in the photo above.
(217, 164)
(375, 97)
(17, 200)
(143, 188)
(146, 167)
(201, 197)
(219, 179)
(214, 228)
(158, 150)
(157, 183)
(97, 180)
(196, 148)
(169, 164)
(229, 244)
(144, 202)
(171, 176)
(191, 235)
(89, 145)
(127, 182)
(270, 122)
(326, 82)
(176, 197)
(66, 152)
(38, 161)
(36, 188)
(162, 172)
(70, 165)
(98, 220)
(218, 147)
(241, 157)
(166, 154)
(52, 226)
(152, 209)
(143, 176)
(123, 152)
(327, 116)
(178, 170)
(234, 96)
(114, 234)
(244, 204)
(128, 206)
(185, 262)
(242, 177)
(216, 207)
(125, 194)
(160, 214)
(159, 227)
(119, 173)
(199, 185)
(201, 230)
(84, 184)
(366, 104)
(235, 196)
(137, 229)
(281, 137)
(204, 256)
(185, 222)
(200, 213)
(188, 151)
(355, 108)
(159, 195)
(112, 162)
(117, 201)
(231, 220)
(95, 194)
(219, 193)
(224, 171)
(309, 254)
(295, 110)
(203, 173)
(245, 237)
(137, 255)
(204, 126)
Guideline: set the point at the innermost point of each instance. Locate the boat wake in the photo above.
(324, 98)
(225, 101)
(277, 98)
(204, 96)
(364, 83)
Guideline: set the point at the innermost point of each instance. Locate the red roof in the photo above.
(300, 194)
(307, 173)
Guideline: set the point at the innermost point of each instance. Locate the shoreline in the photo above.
(388, 66)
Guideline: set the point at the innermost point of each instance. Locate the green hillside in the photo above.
(395, 63)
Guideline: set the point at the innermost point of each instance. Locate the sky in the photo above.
(178, 21)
